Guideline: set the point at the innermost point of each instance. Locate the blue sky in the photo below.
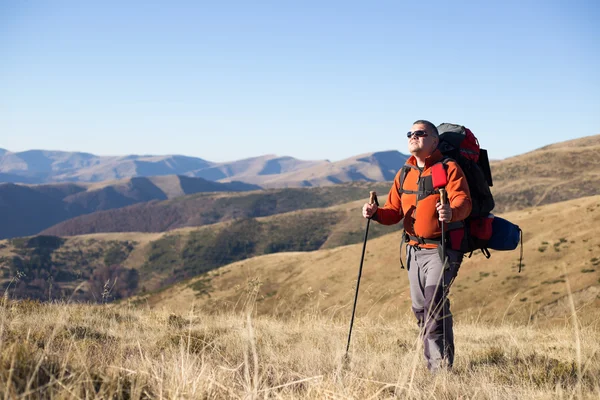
(309, 79)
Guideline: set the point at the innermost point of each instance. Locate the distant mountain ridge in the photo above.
(369, 167)
(41, 166)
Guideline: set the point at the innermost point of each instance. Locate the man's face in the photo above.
(421, 146)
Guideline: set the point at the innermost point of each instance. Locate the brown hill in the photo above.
(28, 209)
(553, 173)
(561, 247)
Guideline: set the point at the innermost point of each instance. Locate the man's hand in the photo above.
(369, 210)
(444, 212)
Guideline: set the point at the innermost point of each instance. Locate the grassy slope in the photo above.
(80, 351)
(554, 173)
(561, 245)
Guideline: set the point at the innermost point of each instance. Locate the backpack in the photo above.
(481, 230)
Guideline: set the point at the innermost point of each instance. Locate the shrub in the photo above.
(112, 282)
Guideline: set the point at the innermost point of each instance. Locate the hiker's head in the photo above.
(423, 139)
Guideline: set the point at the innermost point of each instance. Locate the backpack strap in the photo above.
(405, 169)
(484, 250)
(401, 246)
(445, 160)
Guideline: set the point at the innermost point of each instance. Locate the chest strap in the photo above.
(425, 184)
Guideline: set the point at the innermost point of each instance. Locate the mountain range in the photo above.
(41, 166)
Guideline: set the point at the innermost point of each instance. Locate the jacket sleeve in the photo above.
(458, 192)
(391, 213)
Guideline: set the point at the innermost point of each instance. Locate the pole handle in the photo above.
(443, 196)
(373, 198)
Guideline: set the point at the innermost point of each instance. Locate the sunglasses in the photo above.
(417, 134)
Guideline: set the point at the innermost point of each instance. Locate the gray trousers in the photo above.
(429, 294)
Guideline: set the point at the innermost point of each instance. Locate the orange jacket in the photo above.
(420, 217)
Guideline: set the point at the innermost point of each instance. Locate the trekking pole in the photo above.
(372, 199)
(443, 198)
(439, 178)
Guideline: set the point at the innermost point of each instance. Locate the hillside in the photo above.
(553, 173)
(488, 290)
(202, 209)
(52, 267)
(28, 209)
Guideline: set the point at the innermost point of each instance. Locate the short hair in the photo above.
(429, 126)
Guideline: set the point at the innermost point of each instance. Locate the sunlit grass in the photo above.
(93, 351)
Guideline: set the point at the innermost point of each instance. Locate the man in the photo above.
(429, 281)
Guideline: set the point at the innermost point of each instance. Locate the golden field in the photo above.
(70, 351)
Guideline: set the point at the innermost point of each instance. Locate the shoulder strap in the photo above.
(445, 160)
(405, 169)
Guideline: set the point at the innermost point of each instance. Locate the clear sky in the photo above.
(224, 80)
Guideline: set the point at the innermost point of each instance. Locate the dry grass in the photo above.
(83, 351)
